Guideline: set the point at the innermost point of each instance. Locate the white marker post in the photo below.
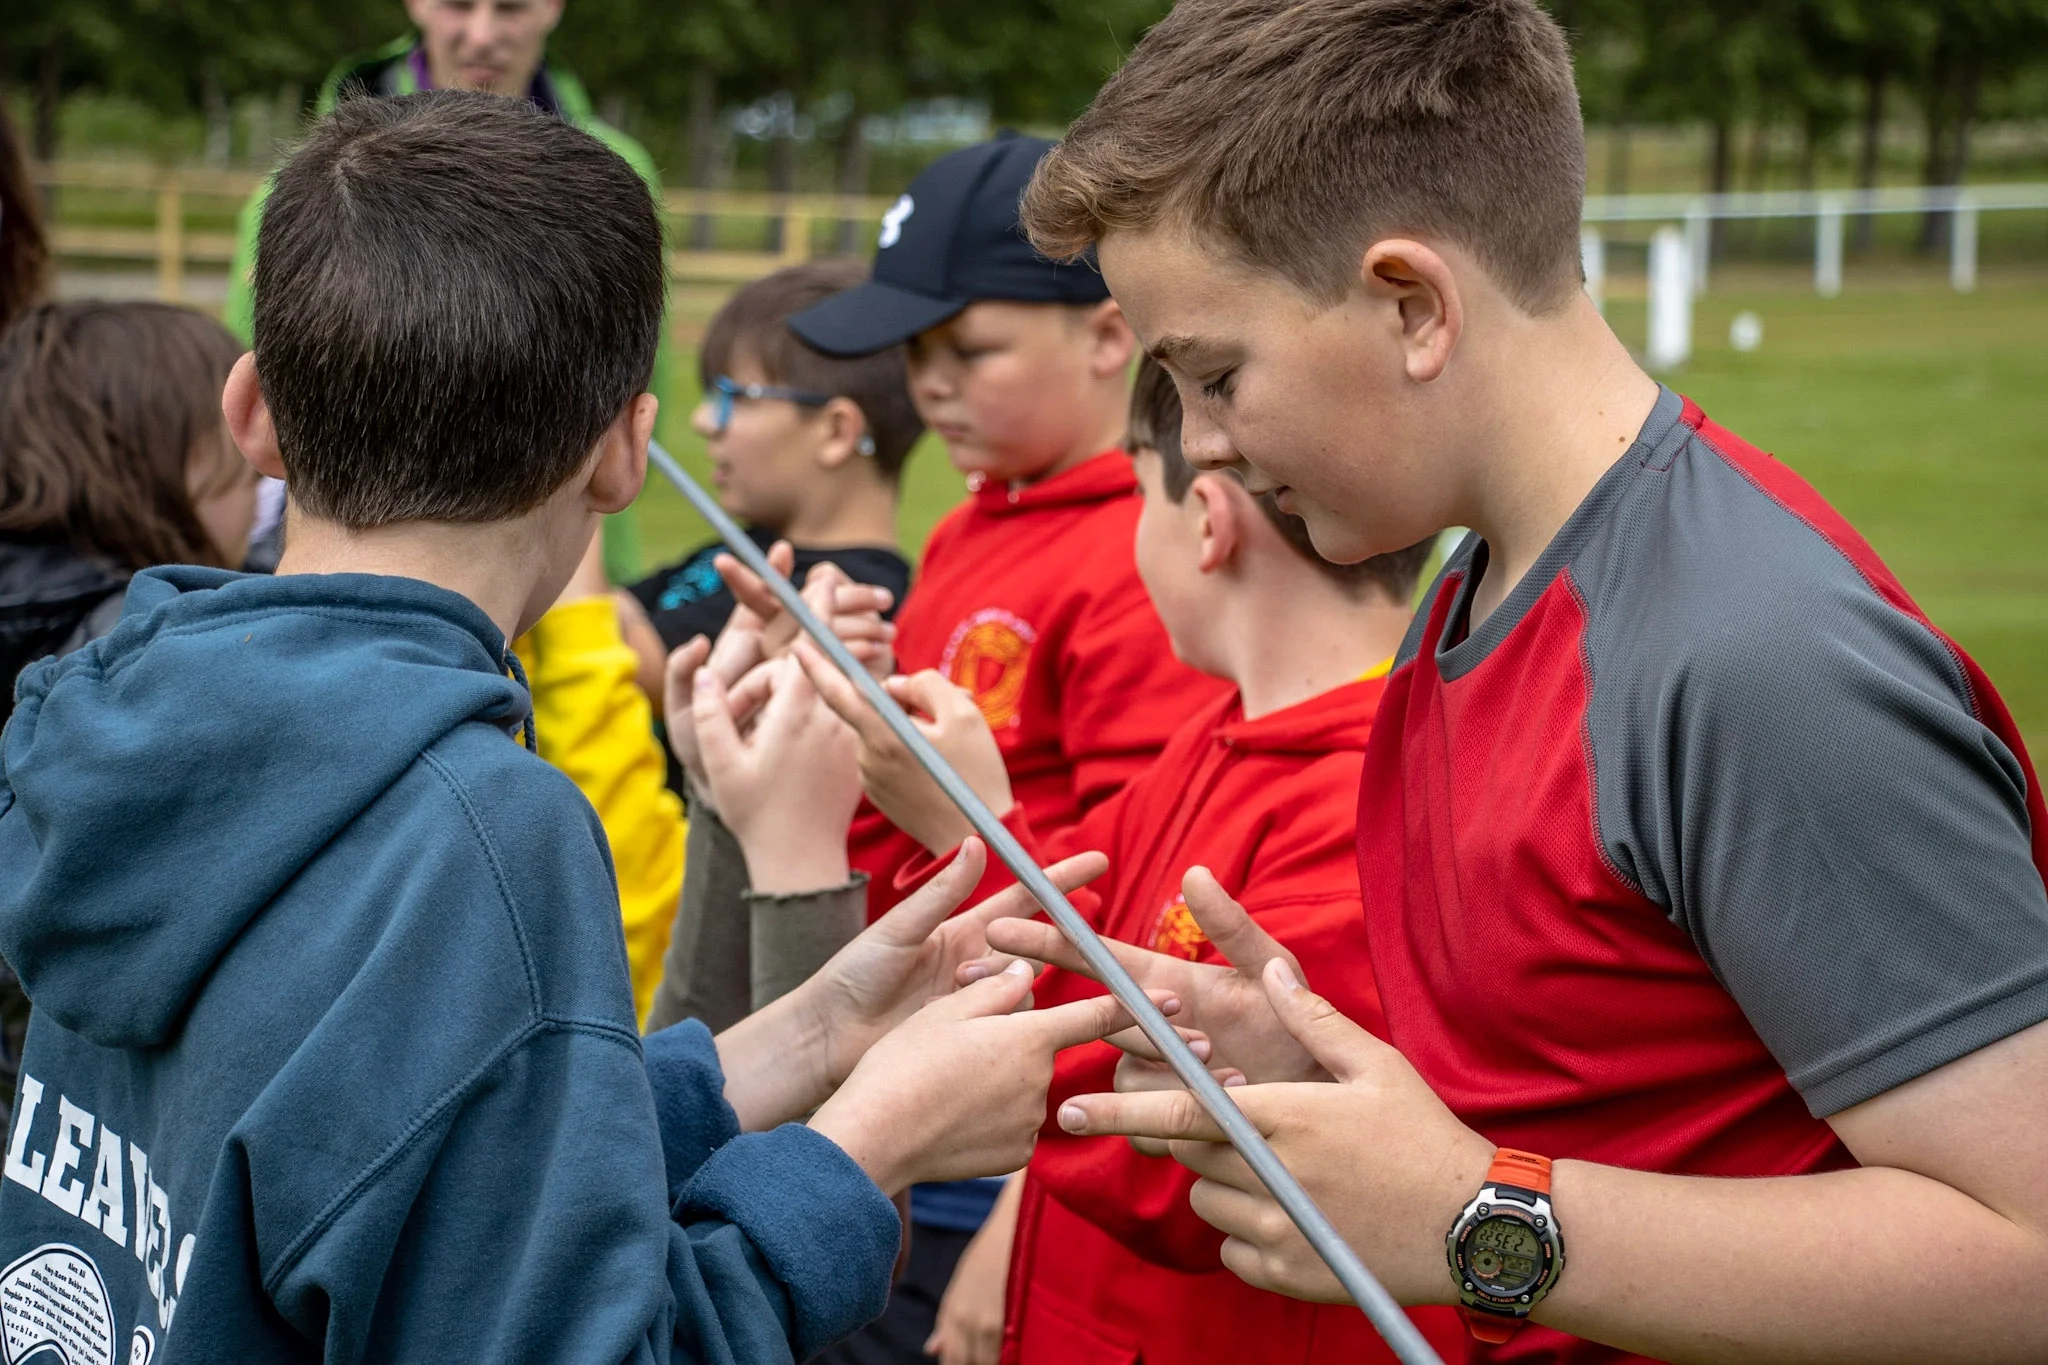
(1962, 246)
(1387, 1317)
(1670, 300)
(1593, 264)
(1699, 239)
(1827, 248)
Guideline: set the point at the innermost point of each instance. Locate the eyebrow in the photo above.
(1183, 351)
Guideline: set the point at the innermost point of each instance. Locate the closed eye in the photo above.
(1218, 389)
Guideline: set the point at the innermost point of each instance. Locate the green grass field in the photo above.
(1919, 413)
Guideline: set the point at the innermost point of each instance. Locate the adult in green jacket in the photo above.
(494, 45)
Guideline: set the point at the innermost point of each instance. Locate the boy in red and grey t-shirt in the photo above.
(1689, 847)
(1026, 595)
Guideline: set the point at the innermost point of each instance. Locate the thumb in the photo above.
(926, 691)
(1338, 1045)
(913, 920)
(718, 738)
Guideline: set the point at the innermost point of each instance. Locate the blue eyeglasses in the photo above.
(725, 391)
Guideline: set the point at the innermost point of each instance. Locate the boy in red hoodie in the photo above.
(1026, 595)
(1255, 792)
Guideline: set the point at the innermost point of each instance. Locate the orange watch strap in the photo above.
(1490, 1328)
(1523, 1170)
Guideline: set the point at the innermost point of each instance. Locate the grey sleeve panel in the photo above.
(705, 975)
(1794, 770)
(793, 936)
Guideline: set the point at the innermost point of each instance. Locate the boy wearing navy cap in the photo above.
(1028, 594)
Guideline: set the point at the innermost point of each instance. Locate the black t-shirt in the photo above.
(688, 598)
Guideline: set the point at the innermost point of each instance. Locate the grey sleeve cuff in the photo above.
(705, 973)
(791, 937)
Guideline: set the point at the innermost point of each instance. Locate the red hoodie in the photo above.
(1029, 598)
(1109, 1260)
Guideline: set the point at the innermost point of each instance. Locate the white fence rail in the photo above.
(1681, 245)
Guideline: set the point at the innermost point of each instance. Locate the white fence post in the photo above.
(1699, 241)
(1827, 248)
(1593, 263)
(1671, 292)
(1962, 246)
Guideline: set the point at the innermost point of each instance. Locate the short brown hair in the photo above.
(102, 409)
(755, 322)
(1155, 426)
(1294, 133)
(455, 295)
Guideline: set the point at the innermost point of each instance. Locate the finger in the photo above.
(1042, 941)
(718, 736)
(683, 663)
(928, 690)
(912, 920)
(1218, 1162)
(1338, 1044)
(750, 693)
(1224, 923)
(858, 599)
(1084, 1021)
(1165, 1115)
(1244, 1213)
(747, 588)
(821, 589)
(1068, 874)
(841, 695)
(995, 995)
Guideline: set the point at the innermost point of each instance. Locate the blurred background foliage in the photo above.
(854, 94)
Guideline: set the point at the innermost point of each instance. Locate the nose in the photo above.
(1204, 444)
(704, 420)
(480, 29)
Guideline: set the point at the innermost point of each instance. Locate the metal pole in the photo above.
(1386, 1315)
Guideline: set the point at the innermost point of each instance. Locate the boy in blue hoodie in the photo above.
(334, 1055)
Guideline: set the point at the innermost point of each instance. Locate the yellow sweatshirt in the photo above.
(593, 723)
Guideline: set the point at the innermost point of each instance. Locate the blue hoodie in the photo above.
(333, 1054)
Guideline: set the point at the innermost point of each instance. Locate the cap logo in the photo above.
(892, 222)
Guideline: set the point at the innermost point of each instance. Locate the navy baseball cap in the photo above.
(951, 240)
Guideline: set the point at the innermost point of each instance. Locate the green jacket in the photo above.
(387, 72)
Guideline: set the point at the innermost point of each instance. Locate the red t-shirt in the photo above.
(1703, 835)
(1110, 1263)
(1029, 598)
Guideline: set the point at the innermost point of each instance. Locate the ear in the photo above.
(844, 428)
(416, 12)
(1111, 341)
(620, 467)
(1222, 504)
(248, 418)
(1419, 282)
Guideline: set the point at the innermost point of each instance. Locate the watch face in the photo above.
(1504, 1256)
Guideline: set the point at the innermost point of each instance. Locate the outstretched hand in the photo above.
(1393, 1208)
(1227, 1003)
(784, 1060)
(893, 779)
(958, 1090)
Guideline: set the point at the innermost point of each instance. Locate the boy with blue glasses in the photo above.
(804, 447)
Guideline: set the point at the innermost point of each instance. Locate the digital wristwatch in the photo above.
(1505, 1249)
